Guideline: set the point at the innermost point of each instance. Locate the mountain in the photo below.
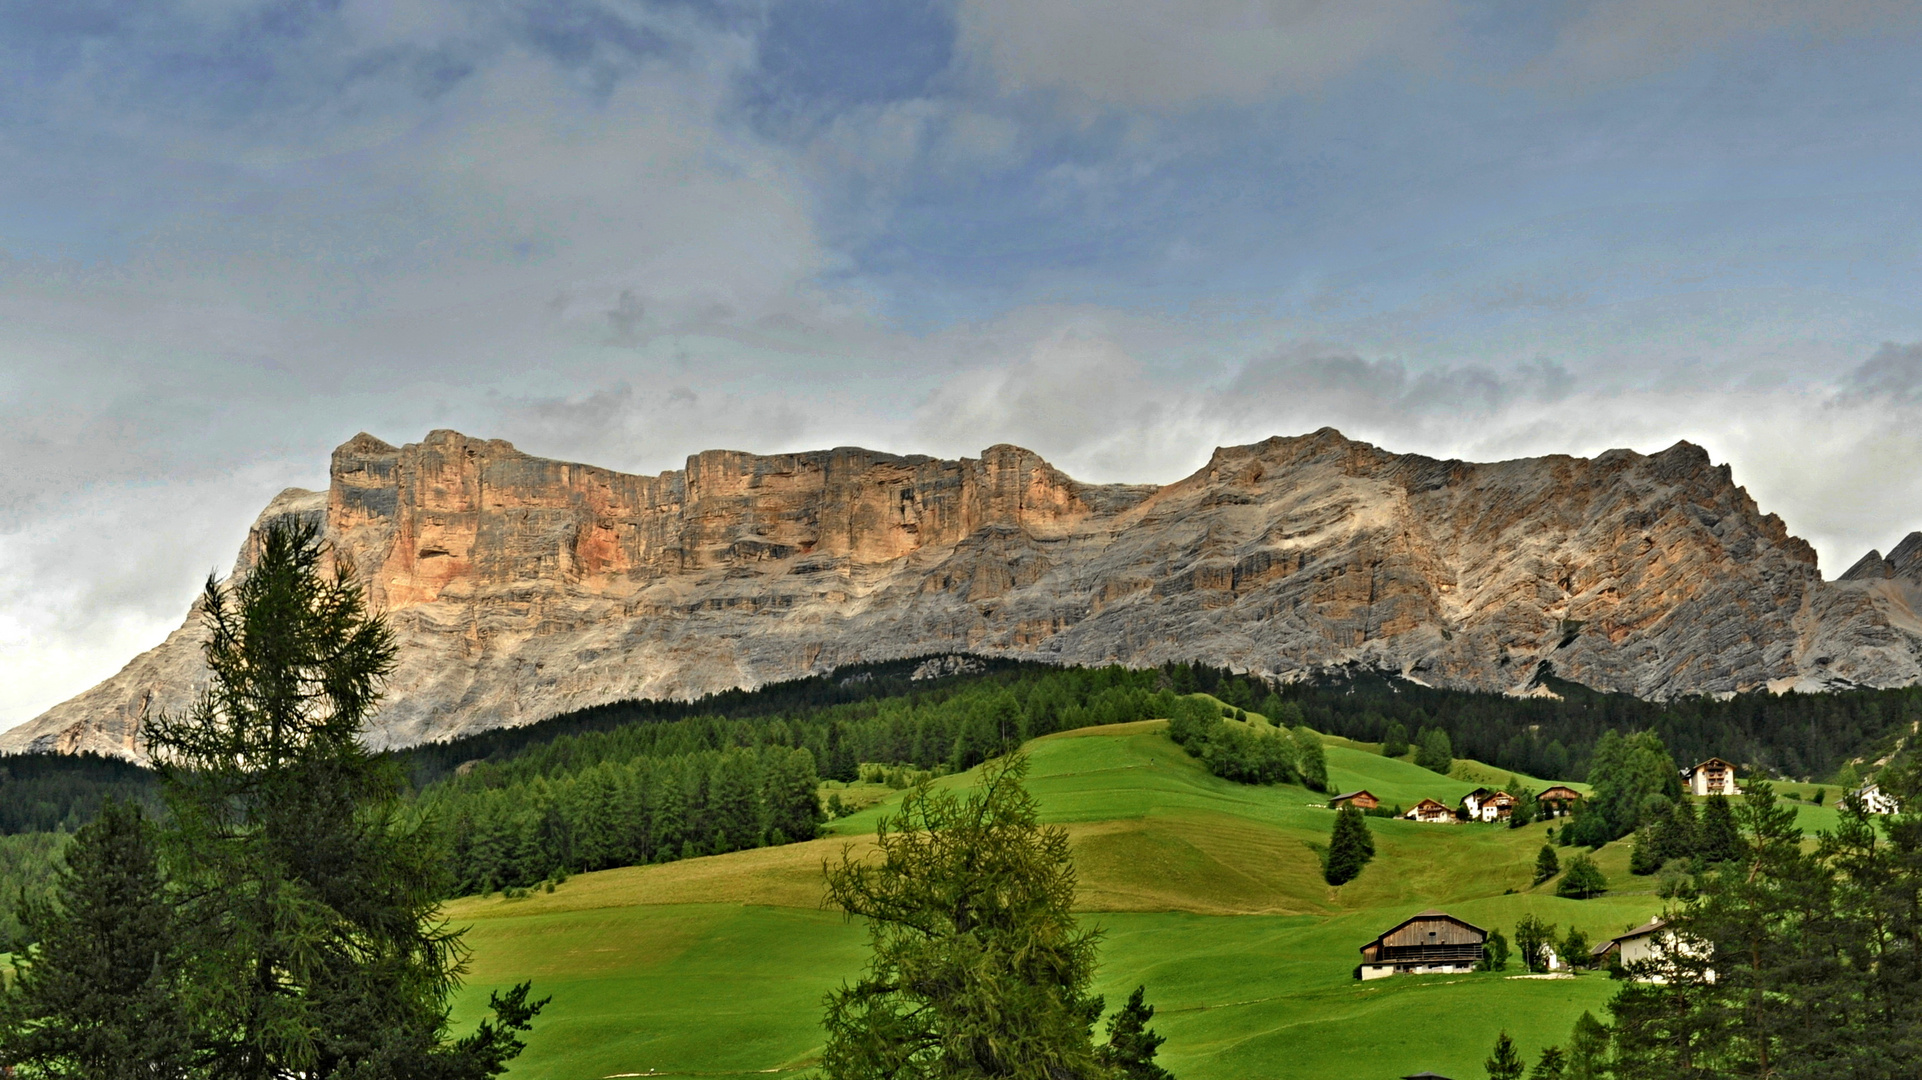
(521, 587)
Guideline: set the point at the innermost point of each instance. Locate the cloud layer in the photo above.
(234, 233)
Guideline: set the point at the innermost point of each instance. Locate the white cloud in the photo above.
(1146, 54)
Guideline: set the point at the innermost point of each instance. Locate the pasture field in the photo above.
(1208, 892)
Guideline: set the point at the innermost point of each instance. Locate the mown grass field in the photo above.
(1208, 892)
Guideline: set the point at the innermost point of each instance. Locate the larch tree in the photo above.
(309, 893)
(978, 966)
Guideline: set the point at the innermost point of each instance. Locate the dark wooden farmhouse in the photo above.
(1430, 943)
(1558, 800)
(1361, 800)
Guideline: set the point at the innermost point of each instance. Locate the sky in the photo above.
(233, 233)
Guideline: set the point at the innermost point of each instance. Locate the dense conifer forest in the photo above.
(649, 781)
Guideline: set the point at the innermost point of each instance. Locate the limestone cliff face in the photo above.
(521, 587)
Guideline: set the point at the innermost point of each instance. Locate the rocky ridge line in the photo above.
(522, 587)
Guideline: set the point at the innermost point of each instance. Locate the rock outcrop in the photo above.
(522, 587)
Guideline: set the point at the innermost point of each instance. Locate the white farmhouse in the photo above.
(1711, 777)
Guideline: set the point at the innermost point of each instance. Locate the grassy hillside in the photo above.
(1209, 892)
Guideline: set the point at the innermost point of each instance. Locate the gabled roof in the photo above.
(1706, 762)
(1559, 787)
(1428, 802)
(1643, 930)
(1429, 914)
(1352, 794)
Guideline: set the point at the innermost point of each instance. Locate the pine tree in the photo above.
(1350, 846)
(1395, 743)
(1435, 751)
(1718, 838)
(98, 997)
(978, 967)
(1550, 1066)
(1645, 855)
(309, 922)
(1546, 864)
(1588, 1047)
(1131, 1046)
(1506, 1063)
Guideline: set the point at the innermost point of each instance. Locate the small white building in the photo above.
(1432, 812)
(1653, 944)
(1483, 804)
(1711, 777)
(1877, 801)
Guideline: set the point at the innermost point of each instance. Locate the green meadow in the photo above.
(1208, 892)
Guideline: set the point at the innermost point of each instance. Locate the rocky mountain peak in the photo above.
(521, 586)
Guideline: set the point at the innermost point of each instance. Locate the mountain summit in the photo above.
(521, 587)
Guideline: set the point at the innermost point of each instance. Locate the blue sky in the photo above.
(1121, 232)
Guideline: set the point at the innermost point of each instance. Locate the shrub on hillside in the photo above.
(1582, 880)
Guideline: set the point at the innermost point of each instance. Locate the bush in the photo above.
(1583, 879)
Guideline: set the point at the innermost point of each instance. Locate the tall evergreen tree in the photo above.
(1131, 1046)
(1588, 1049)
(1506, 1062)
(99, 996)
(978, 967)
(1395, 742)
(1547, 865)
(310, 894)
(1435, 751)
(1717, 838)
(1350, 846)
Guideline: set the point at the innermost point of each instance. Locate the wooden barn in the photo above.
(1360, 800)
(1433, 942)
(1711, 777)
(1430, 811)
(1558, 800)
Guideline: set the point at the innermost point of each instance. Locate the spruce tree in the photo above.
(1131, 1046)
(1550, 1066)
(1588, 1049)
(1718, 839)
(978, 967)
(1546, 864)
(309, 891)
(1395, 743)
(1435, 752)
(99, 996)
(1506, 1062)
(1350, 846)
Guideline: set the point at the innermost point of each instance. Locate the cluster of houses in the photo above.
(1481, 804)
(1711, 777)
(1437, 943)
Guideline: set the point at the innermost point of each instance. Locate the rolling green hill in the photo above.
(1209, 892)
